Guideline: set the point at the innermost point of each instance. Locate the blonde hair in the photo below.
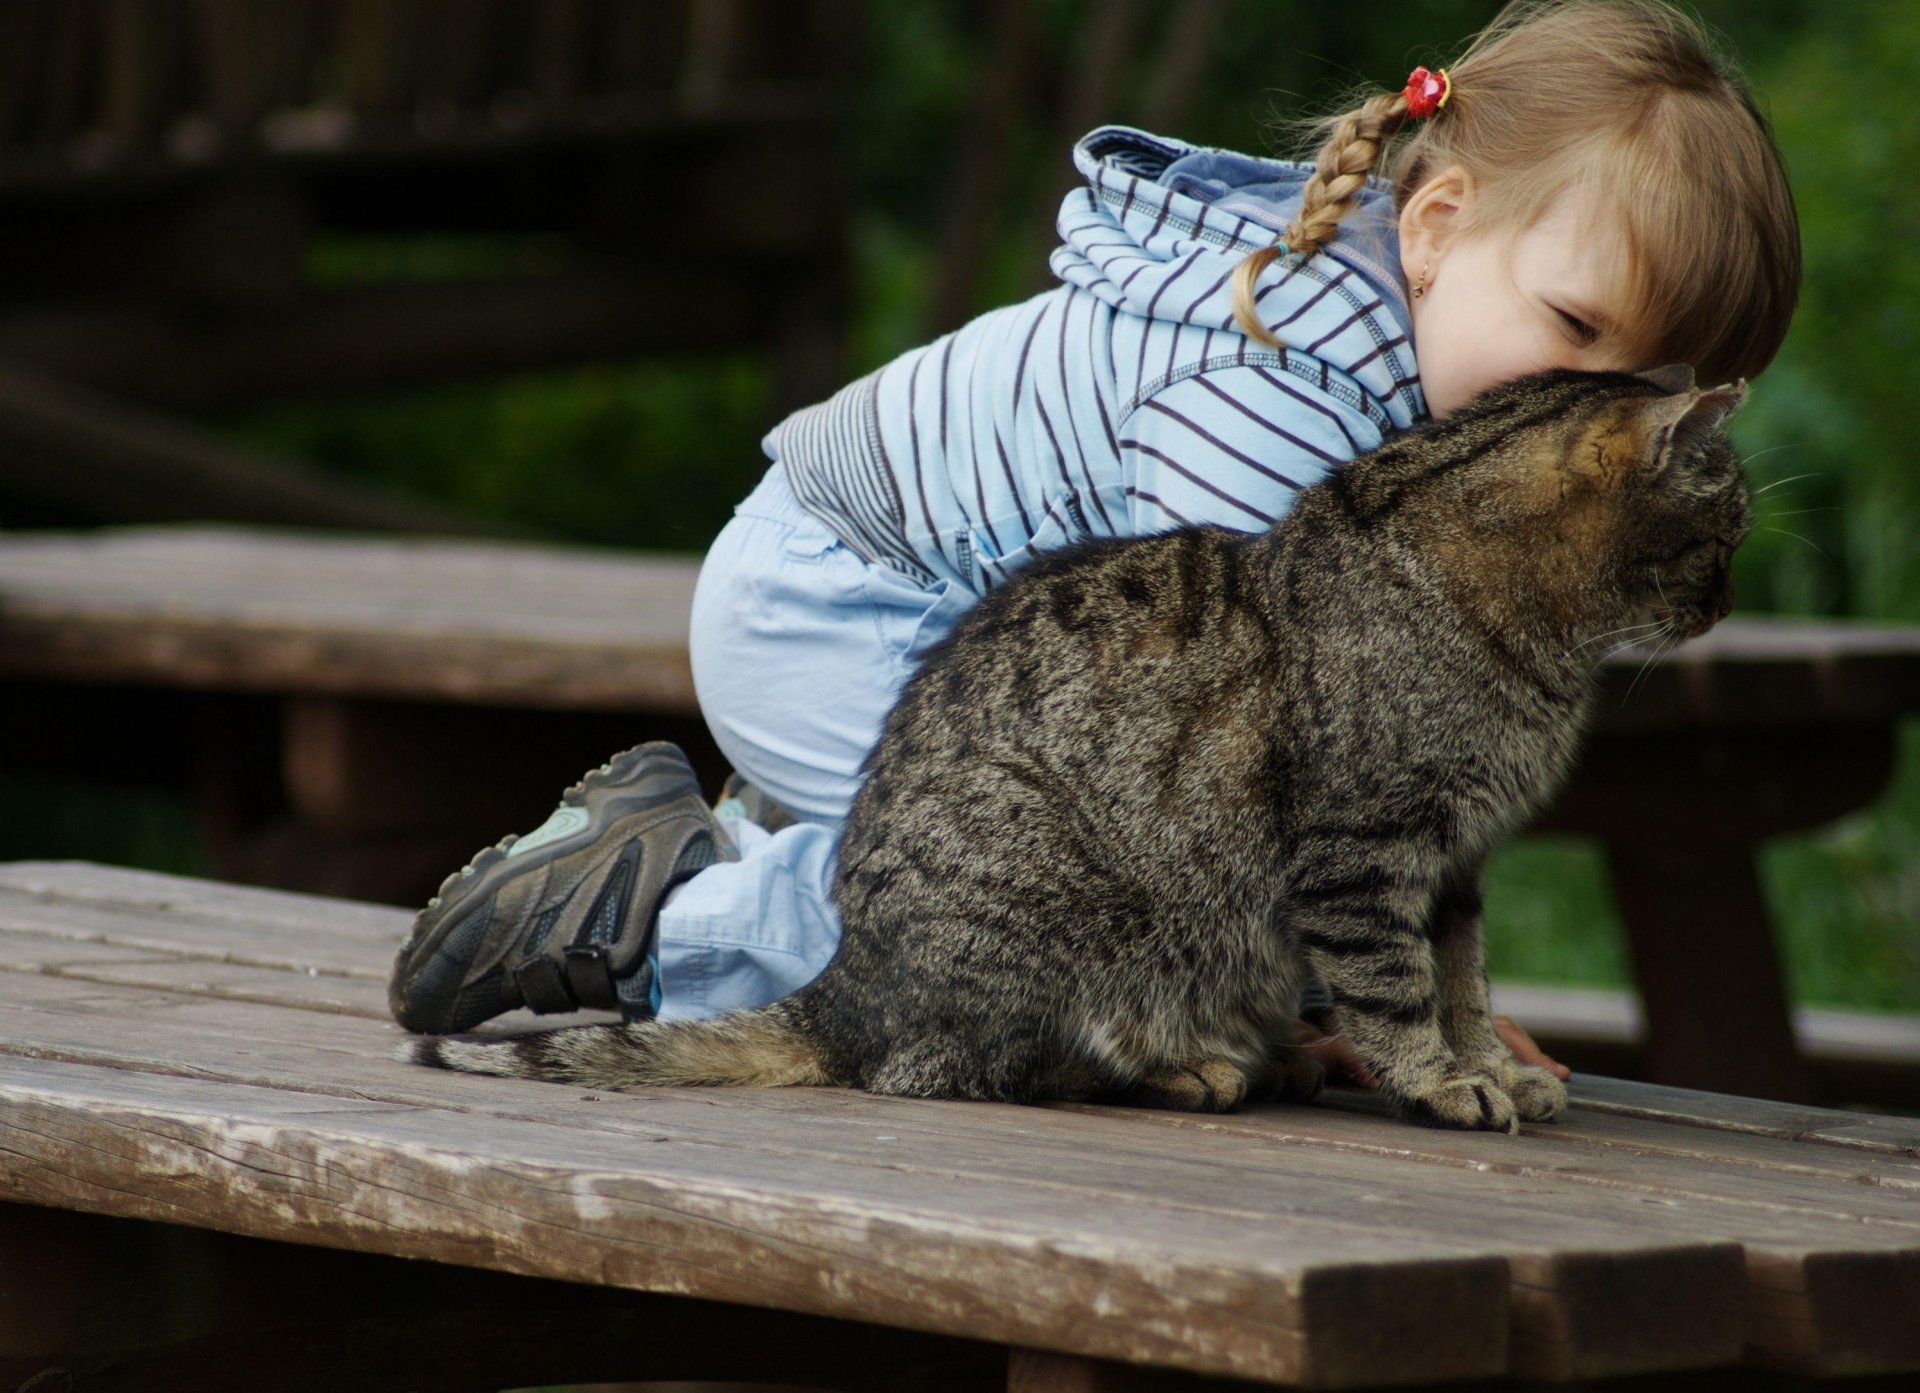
(1623, 100)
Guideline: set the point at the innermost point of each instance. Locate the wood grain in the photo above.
(548, 628)
(566, 628)
(961, 1257)
(155, 1062)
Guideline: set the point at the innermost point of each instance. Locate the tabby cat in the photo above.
(1144, 788)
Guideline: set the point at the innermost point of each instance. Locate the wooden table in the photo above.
(182, 1053)
(356, 716)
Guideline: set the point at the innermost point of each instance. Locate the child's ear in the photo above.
(1432, 216)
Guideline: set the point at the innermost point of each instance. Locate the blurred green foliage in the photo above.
(653, 455)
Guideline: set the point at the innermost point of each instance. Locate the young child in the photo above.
(1586, 187)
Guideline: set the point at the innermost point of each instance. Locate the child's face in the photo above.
(1498, 306)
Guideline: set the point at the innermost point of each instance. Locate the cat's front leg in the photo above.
(1362, 920)
(1454, 929)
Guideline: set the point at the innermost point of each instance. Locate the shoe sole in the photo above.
(621, 787)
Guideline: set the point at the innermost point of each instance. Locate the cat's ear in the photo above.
(1678, 423)
(1674, 377)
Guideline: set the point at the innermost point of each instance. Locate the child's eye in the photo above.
(1584, 332)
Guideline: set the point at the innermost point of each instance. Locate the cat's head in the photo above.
(1619, 493)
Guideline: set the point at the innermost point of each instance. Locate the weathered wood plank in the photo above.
(198, 978)
(966, 1257)
(251, 1046)
(1580, 1257)
(186, 900)
(1708, 1155)
(549, 628)
(365, 996)
(114, 895)
(1795, 1227)
(1795, 1121)
(110, 906)
(1818, 1223)
(254, 1044)
(1242, 1189)
(260, 945)
(1601, 1024)
(566, 628)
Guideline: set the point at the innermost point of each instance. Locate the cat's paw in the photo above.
(1537, 1095)
(1474, 1102)
(1203, 1085)
(1291, 1076)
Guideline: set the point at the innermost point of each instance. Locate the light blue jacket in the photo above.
(1125, 400)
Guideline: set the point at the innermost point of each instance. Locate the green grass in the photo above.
(1845, 903)
(1550, 915)
(1847, 899)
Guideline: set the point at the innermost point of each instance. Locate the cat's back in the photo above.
(1099, 633)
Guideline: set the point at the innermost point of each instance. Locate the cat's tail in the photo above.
(763, 1046)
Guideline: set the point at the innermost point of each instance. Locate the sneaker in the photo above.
(564, 917)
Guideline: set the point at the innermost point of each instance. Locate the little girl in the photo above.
(1587, 187)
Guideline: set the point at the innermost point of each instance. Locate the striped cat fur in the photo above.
(1143, 789)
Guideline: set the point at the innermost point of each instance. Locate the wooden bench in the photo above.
(198, 1067)
(357, 716)
(1850, 1054)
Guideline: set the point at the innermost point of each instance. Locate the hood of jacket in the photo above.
(1162, 224)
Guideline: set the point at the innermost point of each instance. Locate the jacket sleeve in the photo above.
(1231, 446)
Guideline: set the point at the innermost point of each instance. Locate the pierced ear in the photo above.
(1675, 377)
(1682, 421)
(1433, 214)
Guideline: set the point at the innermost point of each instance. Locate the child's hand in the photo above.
(1333, 1051)
(1525, 1050)
(1344, 1065)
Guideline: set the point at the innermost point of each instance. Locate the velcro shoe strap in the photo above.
(590, 974)
(544, 985)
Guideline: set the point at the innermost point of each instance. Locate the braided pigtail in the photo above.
(1349, 154)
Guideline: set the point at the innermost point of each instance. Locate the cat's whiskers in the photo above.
(1791, 478)
(1798, 538)
(1665, 632)
(1617, 649)
(1659, 651)
(1624, 645)
(1649, 624)
(1798, 511)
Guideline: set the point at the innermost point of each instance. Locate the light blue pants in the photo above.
(799, 648)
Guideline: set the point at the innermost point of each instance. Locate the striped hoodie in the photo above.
(1124, 400)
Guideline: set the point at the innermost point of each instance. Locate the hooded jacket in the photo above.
(1124, 400)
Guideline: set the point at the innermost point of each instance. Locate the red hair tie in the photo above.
(1427, 92)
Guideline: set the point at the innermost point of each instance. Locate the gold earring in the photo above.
(1420, 286)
